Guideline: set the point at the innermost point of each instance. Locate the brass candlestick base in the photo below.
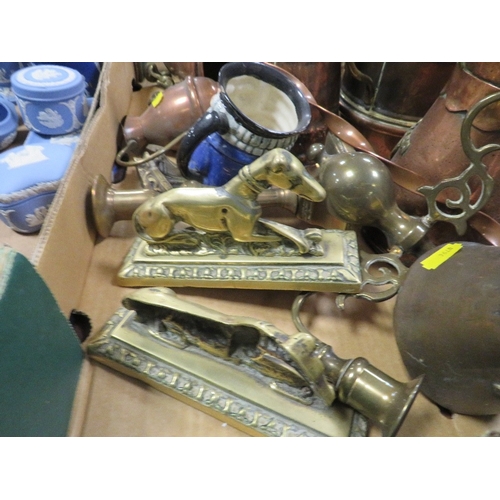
(247, 371)
(215, 260)
(154, 344)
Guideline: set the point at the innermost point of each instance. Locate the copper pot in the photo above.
(383, 100)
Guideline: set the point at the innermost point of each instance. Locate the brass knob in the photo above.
(360, 191)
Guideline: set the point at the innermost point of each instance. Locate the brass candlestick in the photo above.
(246, 371)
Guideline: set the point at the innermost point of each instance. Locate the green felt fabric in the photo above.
(40, 354)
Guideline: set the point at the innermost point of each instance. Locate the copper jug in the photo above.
(171, 112)
(433, 147)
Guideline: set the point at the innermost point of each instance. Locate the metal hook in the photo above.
(296, 306)
(149, 157)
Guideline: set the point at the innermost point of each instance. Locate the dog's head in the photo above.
(287, 172)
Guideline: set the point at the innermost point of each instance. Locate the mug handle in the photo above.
(210, 123)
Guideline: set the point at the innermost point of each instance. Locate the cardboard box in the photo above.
(81, 269)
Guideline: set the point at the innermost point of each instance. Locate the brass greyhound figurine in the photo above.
(233, 207)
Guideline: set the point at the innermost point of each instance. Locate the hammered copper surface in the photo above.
(433, 148)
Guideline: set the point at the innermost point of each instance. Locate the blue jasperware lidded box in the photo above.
(51, 98)
(29, 177)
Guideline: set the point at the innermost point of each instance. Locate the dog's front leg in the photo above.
(244, 231)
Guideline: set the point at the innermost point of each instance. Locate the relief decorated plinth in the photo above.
(218, 261)
(254, 407)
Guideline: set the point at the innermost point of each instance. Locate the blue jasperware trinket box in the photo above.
(29, 177)
(51, 98)
(90, 71)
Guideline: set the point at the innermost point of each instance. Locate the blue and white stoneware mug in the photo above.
(51, 98)
(257, 109)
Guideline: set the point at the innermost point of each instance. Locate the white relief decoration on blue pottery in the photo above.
(26, 119)
(37, 218)
(50, 118)
(66, 140)
(25, 156)
(51, 99)
(3, 76)
(8, 140)
(56, 120)
(72, 106)
(47, 77)
(6, 216)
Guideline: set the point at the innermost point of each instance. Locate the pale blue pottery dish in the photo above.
(51, 98)
(69, 140)
(9, 122)
(29, 177)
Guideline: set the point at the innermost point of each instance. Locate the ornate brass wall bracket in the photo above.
(464, 207)
(247, 371)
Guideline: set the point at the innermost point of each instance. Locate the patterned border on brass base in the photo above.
(337, 270)
(128, 347)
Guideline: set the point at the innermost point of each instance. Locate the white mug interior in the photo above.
(263, 103)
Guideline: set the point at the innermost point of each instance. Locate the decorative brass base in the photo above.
(219, 388)
(218, 262)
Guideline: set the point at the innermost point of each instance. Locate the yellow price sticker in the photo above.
(441, 255)
(157, 99)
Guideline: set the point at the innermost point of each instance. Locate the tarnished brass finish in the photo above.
(232, 208)
(219, 262)
(447, 325)
(227, 243)
(383, 100)
(166, 74)
(111, 205)
(230, 367)
(356, 382)
(185, 69)
(380, 398)
(205, 355)
(360, 191)
(408, 180)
